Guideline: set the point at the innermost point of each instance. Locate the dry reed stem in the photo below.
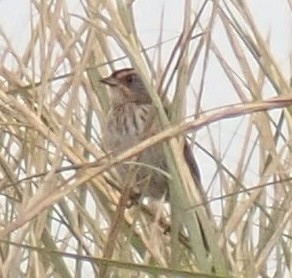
(55, 199)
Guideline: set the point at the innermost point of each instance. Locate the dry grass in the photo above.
(61, 215)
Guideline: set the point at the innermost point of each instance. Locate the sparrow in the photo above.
(132, 119)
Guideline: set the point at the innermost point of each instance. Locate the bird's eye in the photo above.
(130, 79)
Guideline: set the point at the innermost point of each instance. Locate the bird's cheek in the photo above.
(128, 94)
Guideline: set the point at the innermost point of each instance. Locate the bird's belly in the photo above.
(126, 133)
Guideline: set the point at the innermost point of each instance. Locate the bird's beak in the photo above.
(111, 81)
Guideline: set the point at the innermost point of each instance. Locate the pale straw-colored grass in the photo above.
(61, 211)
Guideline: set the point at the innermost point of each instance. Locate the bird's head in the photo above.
(126, 86)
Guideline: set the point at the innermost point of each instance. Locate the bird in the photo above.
(132, 119)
